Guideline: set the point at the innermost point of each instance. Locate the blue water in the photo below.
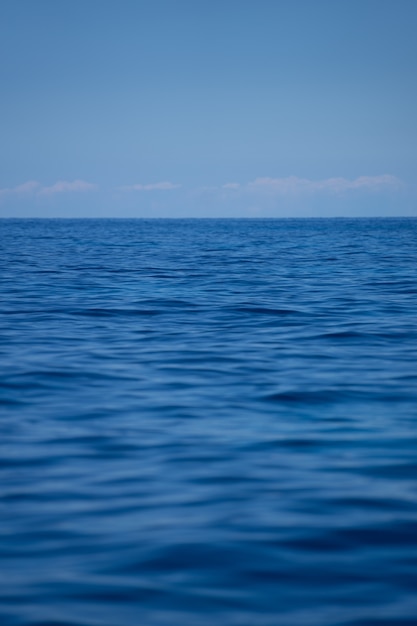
(208, 422)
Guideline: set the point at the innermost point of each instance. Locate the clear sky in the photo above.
(173, 108)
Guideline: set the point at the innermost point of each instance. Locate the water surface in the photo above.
(208, 422)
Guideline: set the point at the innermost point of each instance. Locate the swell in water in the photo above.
(208, 421)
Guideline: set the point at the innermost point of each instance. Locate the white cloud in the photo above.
(162, 186)
(296, 185)
(63, 186)
(31, 186)
(34, 188)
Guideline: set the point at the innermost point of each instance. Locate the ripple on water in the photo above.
(208, 421)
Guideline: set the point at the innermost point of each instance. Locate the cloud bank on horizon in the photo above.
(284, 186)
(34, 188)
(261, 196)
(296, 185)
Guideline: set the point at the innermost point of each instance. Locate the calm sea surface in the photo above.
(208, 422)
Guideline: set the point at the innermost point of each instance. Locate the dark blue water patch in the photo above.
(208, 421)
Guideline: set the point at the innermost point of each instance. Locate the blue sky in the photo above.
(173, 108)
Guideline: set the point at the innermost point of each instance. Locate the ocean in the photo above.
(208, 422)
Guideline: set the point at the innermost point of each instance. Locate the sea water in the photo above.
(208, 422)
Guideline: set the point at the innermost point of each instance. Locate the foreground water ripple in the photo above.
(208, 421)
